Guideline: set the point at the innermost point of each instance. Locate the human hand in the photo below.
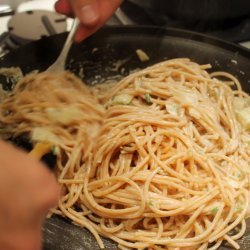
(92, 14)
(27, 191)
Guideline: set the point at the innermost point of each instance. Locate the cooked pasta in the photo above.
(158, 161)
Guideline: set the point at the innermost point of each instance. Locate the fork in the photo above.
(59, 64)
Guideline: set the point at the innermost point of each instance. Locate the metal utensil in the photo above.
(59, 64)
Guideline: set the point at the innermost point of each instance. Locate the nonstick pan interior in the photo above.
(111, 53)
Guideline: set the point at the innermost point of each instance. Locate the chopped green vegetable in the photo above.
(15, 79)
(244, 117)
(148, 98)
(40, 134)
(66, 115)
(239, 208)
(239, 175)
(173, 109)
(214, 210)
(239, 103)
(150, 203)
(55, 150)
(122, 99)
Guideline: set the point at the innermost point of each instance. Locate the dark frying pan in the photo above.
(210, 10)
(98, 56)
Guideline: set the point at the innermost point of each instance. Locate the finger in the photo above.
(64, 7)
(87, 11)
(28, 176)
(45, 190)
(106, 10)
(46, 193)
(26, 237)
(82, 33)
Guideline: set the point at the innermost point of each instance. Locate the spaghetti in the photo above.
(160, 161)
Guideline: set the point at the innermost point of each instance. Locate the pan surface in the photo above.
(111, 53)
(198, 10)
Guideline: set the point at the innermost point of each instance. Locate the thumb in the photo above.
(87, 11)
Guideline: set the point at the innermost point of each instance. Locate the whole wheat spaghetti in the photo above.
(158, 161)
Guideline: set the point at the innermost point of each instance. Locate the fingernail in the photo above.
(89, 13)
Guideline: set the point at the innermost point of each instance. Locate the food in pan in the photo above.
(158, 161)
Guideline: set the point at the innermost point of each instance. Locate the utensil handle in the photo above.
(59, 64)
(70, 37)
